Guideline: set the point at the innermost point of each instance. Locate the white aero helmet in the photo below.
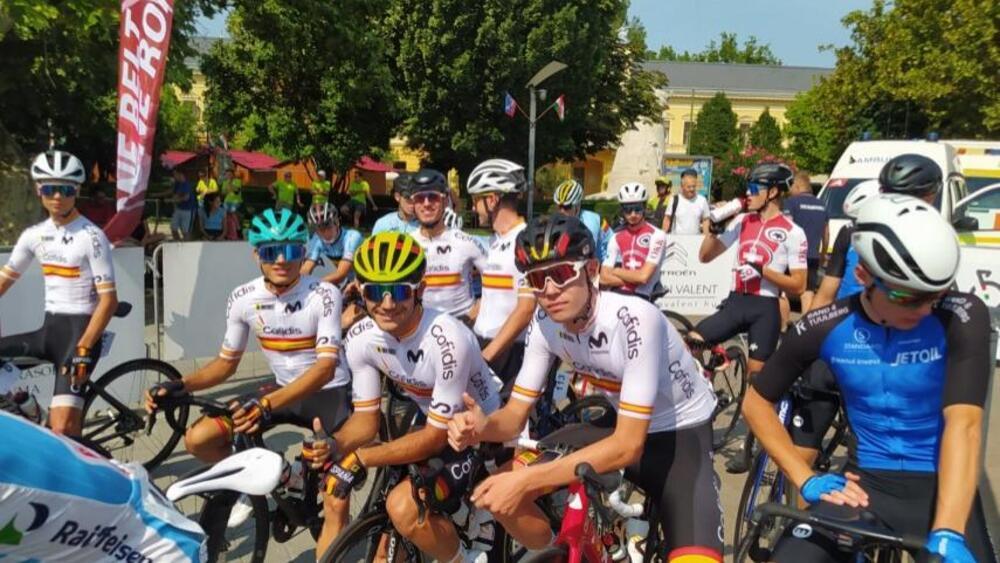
(497, 175)
(858, 196)
(904, 241)
(58, 166)
(632, 192)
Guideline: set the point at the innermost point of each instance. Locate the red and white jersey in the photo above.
(632, 248)
(777, 244)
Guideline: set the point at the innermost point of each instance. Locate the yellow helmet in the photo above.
(389, 257)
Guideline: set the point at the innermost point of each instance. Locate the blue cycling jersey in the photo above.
(594, 224)
(60, 501)
(393, 222)
(894, 384)
(843, 261)
(341, 249)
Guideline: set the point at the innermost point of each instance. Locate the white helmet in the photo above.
(858, 196)
(497, 175)
(452, 220)
(632, 192)
(568, 193)
(59, 166)
(902, 240)
(323, 214)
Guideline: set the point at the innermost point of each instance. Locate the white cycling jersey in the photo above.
(59, 501)
(293, 328)
(433, 366)
(76, 264)
(632, 354)
(450, 258)
(502, 285)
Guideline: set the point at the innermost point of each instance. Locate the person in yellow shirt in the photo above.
(360, 193)
(320, 190)
(232, 190)
(657, 205)
(285, 193)
(206, 185)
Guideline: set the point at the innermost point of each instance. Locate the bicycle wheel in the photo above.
(115, 419)
(680, 322)
(765, 483)
(730, 384)
(552, 554)
(361, 540)
(246, 542)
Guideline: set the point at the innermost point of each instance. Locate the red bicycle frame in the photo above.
(578, 532)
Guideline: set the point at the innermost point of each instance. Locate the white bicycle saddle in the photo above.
(254, 472)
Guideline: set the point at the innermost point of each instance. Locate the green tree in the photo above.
(766, 133)
(177, 123)
(726, 50)
(454, 60)
(714, 130)
(304, 79)
(812, 141)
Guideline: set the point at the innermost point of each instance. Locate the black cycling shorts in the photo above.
(54, 342)
(332, 406)
(756, 315)
(903, 501)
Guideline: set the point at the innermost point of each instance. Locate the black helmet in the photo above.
(910, 174)
(772, 175)
(428, 180)
(552, 238)
(403, 184)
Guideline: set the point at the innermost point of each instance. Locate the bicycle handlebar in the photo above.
(853, 528)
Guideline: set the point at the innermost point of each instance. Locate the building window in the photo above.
(745, 133)
(666, 133)
(688, 125)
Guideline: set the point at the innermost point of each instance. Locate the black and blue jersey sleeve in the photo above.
(966, 322)
(838, 257)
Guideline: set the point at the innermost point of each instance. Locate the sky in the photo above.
(793, 28)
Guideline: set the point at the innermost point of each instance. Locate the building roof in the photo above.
(172, 159)
(257, 161)
(723, 77)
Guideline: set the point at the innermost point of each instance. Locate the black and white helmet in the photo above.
(632, 192)
(497, 175)
(452, 220)
(57, 166)
(904, 241)
(323, 214)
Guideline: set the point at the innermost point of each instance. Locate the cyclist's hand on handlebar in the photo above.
(344, 476)
(318, 450)
(835, 489)
(248, 416)
(168, 388)
(465, 428)
(950, 545)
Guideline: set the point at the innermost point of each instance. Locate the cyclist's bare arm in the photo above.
(107, 303)
(792, 283)
(609, 277)
(711, 248)
(342, 271)
(516, 323)
(314, 378)
(416, 446)
(506, 423)
(360, 429)
(211, 374)
(826, 293)
(763, 420)
(308, 266)
(958, 467)
(637, 277)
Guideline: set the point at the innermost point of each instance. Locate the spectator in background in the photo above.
(99, 208)
(185, 204)
(403, 219)
(232, 189)
(807, 211)
(688, 214)
(206, 185)
(320, 190)
(657, 205)
(285, 193)
(212, 217)
(360, 194)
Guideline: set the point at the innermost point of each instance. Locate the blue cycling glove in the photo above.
(821, 484)
(950, 545)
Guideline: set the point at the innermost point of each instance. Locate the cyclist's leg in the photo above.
(62, 332)
(763, 319)
(210, 437)
(435, 535)
(722, 325)
(676, 471)
(528, 525)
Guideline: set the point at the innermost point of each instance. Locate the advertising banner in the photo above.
(694, 288)
(674, 164)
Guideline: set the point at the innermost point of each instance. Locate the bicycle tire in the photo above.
(129, 425)
(213, 520)
(769, 477)
(680, 322)
(734, 382)
(551, 554)
(360, 534)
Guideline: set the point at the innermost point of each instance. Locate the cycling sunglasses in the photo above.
(633, 208)
(754, 188)
(561, 274)
(398, 291)
(50, 190)
(291, 251)
(422, 198)
(909, 299)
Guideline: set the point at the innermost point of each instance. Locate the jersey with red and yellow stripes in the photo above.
(450, 258)
(503, 285)
(631, 354)
(293, 328)
(76, 264)
(433, 366)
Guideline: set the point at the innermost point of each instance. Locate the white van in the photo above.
(863, 160)
(979, 162)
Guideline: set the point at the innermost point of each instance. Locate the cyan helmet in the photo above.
(277, 226)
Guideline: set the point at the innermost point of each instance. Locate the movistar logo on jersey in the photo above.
(66, 239)
(414, 357)
(293, 307)
(598, 341)
(925, 356)
(444, 249)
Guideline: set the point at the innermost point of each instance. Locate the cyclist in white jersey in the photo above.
(80, 294)
(59, 501)
(506, 306)
(451, 254)
(627, 349)
(296, 319)
(434, 359)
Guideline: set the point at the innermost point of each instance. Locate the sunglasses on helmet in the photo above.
(907, 298)
(561, 274)
(291, 251)
(398, 291)
(50, 190)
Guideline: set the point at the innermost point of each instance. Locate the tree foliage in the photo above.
(919, 66)
(303, 79)
(766, 133)
(453, 61)
(726, 50)
(714, 130)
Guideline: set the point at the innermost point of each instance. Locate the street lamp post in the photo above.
(539, 77)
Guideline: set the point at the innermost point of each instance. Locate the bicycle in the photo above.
(726, 369)
(861, 532)
(113, 417)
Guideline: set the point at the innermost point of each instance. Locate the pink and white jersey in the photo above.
(777, 243)
(632, 248)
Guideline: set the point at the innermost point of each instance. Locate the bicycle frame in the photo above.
(578, 531)
(778, 490)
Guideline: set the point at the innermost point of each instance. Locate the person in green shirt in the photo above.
(206, 185)
(232, 189)
(285, 193)
(657, 205)
(320, 190)
(360, 193)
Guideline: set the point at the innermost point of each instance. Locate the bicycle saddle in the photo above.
(254, 472)
(123, 309)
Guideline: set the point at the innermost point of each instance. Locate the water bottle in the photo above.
(730, 209)
(292, 477)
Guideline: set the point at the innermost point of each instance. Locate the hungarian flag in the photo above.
(509, 104)
(561, 106)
